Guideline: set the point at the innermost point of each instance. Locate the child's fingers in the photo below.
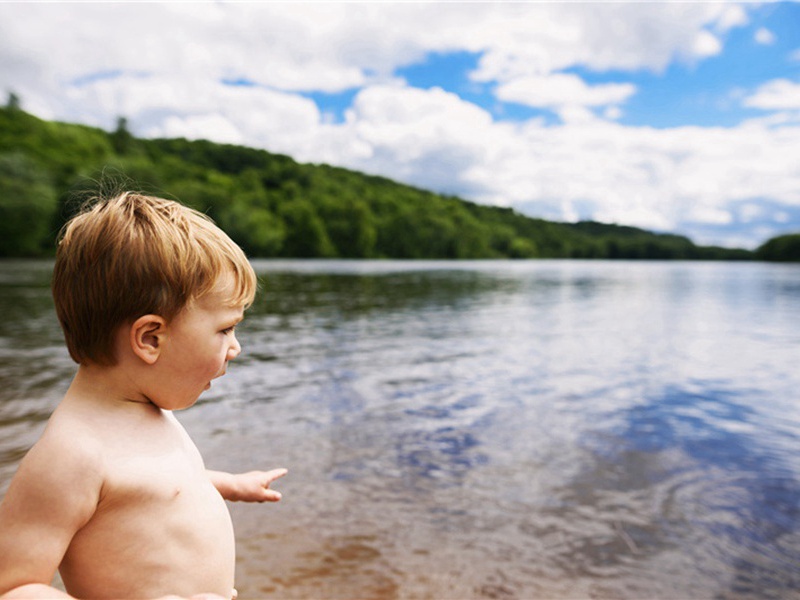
(275, 474)
(271, 496)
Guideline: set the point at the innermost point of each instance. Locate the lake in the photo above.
(531, 429)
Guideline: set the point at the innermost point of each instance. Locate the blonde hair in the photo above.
(133, 255)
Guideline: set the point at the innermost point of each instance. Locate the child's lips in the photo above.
(224, 370)
(208, 385)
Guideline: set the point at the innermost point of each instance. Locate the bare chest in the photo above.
(159, 522)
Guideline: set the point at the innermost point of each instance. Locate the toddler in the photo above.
(115, 494)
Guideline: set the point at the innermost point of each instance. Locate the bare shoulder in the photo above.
(66, 458)
(69, 442)
(54, 493)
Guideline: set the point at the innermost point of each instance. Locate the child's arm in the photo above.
(247, 487)
(53, 494)
(35, 591)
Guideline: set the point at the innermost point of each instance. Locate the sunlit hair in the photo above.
(133, 255)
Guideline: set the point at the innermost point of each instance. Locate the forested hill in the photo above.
(275, 207)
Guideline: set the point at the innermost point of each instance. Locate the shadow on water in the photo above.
(685, 472)
(346, 295)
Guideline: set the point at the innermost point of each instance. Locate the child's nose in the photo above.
(235, 349)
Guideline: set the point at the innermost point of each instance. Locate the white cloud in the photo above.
(576, 115)
(641, 176)
(196, 108)
(193, 127)
(336, 46)
(562, 90)
(764, 36)
(424, 137)
(705, 44)
(536, 39)
(775, 95)
(750, 212)
(732, 15)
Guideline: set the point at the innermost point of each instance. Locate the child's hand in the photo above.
(201, 597)
(234, 596)
(254, 486)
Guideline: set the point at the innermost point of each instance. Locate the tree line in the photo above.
(274, 206)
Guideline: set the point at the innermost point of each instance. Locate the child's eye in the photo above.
(228, 330)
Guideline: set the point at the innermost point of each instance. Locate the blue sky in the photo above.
(672, 116)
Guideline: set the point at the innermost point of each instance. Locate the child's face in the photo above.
(199, 343)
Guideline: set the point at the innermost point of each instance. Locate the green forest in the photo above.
(274, 206)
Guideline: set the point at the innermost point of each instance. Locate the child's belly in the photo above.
(160, 540)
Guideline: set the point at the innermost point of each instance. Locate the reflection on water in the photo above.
(491, 429)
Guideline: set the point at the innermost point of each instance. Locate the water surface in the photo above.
(532, 429)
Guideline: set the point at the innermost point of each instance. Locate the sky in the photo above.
(680, 117)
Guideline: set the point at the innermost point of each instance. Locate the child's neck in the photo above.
(110, 386)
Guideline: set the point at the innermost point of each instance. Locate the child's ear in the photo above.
(147, 336)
